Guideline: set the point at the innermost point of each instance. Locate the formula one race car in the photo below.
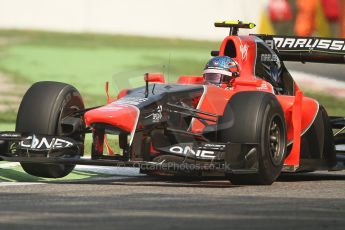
(245, 118)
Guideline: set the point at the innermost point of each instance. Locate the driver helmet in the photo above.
(220, 70)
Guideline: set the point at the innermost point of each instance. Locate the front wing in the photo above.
(196, 156)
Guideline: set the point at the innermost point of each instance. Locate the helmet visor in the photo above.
(214, 78)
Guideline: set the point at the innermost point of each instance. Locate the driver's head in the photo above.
(221, 70)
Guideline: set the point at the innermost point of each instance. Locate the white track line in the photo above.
(119, 171)
(6, 184)
(9, 165)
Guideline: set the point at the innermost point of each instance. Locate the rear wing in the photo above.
(307, 49)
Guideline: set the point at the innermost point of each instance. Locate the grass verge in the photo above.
(17, 174)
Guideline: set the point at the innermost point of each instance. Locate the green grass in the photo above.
(7, 117)
(334, 106)
(16, 173)
(87, 60)
(7, 126)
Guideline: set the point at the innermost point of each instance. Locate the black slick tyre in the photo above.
(42, 110)
(256, 117)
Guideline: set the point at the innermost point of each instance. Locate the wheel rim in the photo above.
(276, 141)
(66, 111)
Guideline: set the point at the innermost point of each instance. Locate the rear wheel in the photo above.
(318, 142)
(329, 145)
(42, 111)
(257, 117)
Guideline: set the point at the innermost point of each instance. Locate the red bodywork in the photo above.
(300, 111)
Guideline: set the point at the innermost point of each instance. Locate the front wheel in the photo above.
(42, 110)
(3, 146)
(257, 117)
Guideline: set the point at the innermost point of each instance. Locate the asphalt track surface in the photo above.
(303, 201)
(132, 201)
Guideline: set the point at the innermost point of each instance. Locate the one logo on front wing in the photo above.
(44, 143)
(187, 150)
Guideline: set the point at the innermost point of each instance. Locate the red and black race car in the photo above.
(248, 120)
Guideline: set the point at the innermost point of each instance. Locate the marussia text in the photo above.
(307, 43)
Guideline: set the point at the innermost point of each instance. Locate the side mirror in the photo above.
(214, 53)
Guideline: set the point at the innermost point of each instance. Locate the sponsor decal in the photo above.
(214, 146)
(269, 58)
(188, 150)
(273, 70)
(157, 115)
(131, 100)
(304, 43)
(262, 87)
(272, 65)
(45, 143)
(9, 135)
(244, 51)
